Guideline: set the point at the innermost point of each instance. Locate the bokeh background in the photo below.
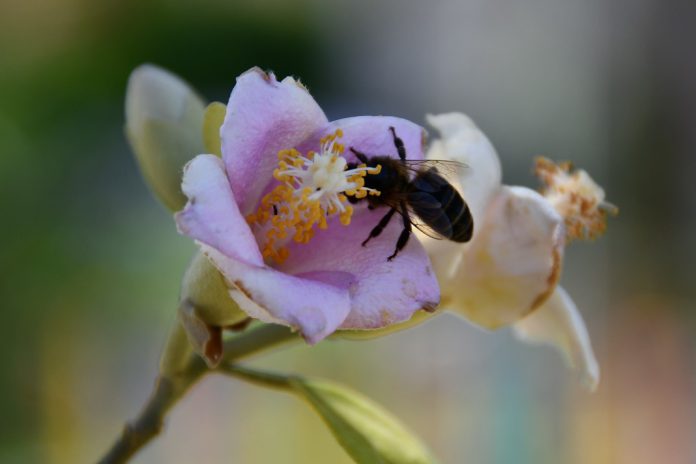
(90, 263)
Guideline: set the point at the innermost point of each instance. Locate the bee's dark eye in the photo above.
(318, 188)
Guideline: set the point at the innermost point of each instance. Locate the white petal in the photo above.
(462, 141)
(512, 265)
(559, 323)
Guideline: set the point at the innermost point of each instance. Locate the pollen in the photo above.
(313, 188)
(576, 197)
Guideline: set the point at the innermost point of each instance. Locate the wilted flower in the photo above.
(273, 214)
(508, 273)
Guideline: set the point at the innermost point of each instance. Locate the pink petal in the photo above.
(211, 215)
(315, 308)
(559, 323)
(512, 265)
(381, 292)
(371, 135)
(263, 117)
(213, 218)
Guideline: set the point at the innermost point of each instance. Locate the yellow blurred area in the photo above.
(90, 263)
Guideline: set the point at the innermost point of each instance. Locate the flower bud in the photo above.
(206, 308)
(164, 121)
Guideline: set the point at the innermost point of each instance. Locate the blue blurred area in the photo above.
(90, 263)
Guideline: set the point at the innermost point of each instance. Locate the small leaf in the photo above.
(369, 433)
(212, 121)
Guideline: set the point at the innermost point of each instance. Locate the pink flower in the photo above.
(272, 215)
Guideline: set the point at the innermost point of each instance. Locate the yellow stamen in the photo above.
(312, 189)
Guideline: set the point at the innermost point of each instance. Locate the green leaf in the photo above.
(369, 433)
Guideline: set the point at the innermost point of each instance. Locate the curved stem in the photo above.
(265, 379)
(169, 388)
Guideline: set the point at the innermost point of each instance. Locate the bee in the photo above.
(414, 188)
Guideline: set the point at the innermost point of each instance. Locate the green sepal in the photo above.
(418, 318)
(212, 121)
(206, 308)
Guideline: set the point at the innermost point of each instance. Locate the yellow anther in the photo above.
(312, 189)
(346, 215)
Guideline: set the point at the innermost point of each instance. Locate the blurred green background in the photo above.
(90, 263)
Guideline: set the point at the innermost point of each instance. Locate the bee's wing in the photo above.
(450, 170)
(426, 229)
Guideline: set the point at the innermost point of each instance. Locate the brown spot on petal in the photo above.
(237, 286)
(552, 278)
(301, 85)
(428, 271)
(213, 347)
(267, 76)
(409, 288)
(429, 307)
(386, 317)
(240, 287)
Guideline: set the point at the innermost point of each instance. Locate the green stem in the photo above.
(170, 388)
(264, 379)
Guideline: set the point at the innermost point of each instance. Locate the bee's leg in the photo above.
(405, 234)
(360, 155)
(399, 144)
(380, 226)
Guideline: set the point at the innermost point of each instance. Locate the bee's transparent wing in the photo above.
(450, 170)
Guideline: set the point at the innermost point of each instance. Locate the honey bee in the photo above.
(417, 188)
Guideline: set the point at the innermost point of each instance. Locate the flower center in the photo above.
(312, 189)
(576, 197)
